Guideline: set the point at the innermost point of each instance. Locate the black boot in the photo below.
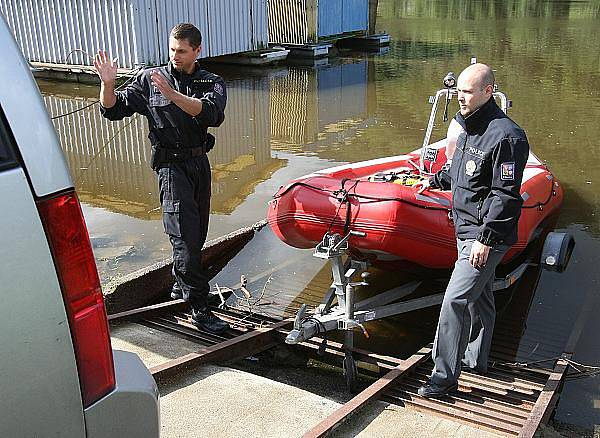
(206, 320)
(176, 292)
(433, 390)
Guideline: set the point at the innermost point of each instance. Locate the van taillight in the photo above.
(76, 268)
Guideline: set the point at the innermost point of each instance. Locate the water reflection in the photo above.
(109, 161)
(270, 114)
(314, 108)
(292, 109)
(470, 10)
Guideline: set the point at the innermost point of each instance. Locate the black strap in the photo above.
(184, 153)
(179, 154)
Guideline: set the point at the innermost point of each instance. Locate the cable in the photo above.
(130, 79)
(541, 204)
(343, 200)
(384, 199)
(76, 50)
(104, 146)
(583, 373)
(74, 111)
(320, 326)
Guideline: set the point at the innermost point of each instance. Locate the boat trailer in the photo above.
(509, 400)
(348, 315)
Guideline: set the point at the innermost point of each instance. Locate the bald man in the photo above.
(485, 179)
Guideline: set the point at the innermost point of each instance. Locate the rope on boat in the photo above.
(334, 194)
(342, 196)
(550, 195)
(347, 194)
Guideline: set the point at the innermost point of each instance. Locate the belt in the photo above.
(163, 156)
(178, 154)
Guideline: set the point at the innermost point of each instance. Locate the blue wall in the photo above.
(340, 16)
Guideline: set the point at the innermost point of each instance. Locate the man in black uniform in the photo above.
(180, 101)
(485, 178)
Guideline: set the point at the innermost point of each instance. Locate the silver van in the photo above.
(59, 376)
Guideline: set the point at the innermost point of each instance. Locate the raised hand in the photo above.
(105, 67)
(162, 84)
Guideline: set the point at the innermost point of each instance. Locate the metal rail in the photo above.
(255, 341)
(507, 401)
(501, 401)
(547, 401)
(373, 391)
(250, 335)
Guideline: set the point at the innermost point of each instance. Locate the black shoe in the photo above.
(433, 390)
(477, 371)
(176, 292)
(473, 370)
(206, 320)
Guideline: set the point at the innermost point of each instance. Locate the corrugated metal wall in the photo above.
(260, 24)
(307, 21)
(330, 17)
(48, 30)
(288, 22)
(135, 31)
(355, 15)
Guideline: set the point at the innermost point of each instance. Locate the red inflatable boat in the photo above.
(378, 198)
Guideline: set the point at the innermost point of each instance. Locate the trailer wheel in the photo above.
(350, 372)
(557, 251)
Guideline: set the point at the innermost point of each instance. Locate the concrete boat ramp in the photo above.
(249, 383)
(237, 401)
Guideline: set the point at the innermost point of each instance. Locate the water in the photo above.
(288, 121)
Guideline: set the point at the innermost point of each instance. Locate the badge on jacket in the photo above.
(470, 167)
(507, 171)
(157, 99)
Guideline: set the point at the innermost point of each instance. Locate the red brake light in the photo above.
(76, 268)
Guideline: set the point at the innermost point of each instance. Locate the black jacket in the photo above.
(485, 176)
(170, 126)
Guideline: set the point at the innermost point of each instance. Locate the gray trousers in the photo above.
(466, 324)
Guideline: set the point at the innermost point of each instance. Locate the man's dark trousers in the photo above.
(467, 317)
(185, 200)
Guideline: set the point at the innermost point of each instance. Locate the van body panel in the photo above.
(39, 383)
(133, 405)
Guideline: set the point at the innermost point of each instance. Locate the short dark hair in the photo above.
(189, 32)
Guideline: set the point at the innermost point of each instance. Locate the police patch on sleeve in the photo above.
(507, 171)
(218, 88)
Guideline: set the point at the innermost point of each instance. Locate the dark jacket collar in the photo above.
(479, 120)
(172, 71)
